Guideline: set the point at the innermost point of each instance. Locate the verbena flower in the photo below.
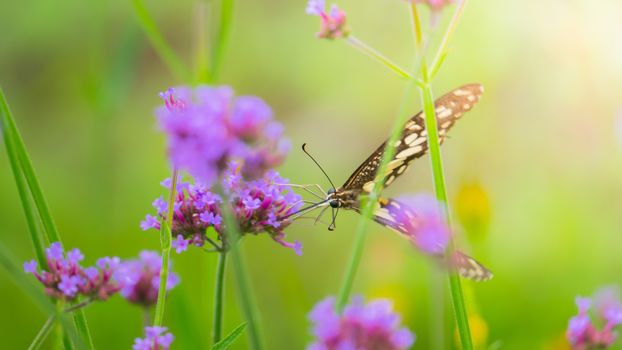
(435, 5)
(333, 23)
(423, 218)
(361, 326)
(140, 278)
(258, 206)
(65, 278)
(207, 127)
(585, 333)
(156, 338)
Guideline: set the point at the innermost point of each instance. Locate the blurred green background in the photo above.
(533, 171)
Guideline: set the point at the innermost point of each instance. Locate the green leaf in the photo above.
(229, 339)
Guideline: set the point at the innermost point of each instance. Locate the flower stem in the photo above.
(43, 334)
(78, 306)
(370, 202)
(427, 98)
(442, 50)
(218, 297)
(377, 56)
(165, 242)
(231, 240)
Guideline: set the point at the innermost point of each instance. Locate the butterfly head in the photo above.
(333, 198)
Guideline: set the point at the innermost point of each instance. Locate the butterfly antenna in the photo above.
(304, 145)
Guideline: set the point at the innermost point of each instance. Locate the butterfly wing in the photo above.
(413, 143)
(465, 265)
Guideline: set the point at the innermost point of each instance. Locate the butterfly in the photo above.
(412, 144)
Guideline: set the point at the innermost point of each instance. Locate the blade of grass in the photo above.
(43, 334)
(229, 339)
(203, 73)
(36, 236)
(222, 36)
(17, 150)
(21, 154)
(165, 52)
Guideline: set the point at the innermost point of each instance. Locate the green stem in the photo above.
(218, 297)
(370, 203)
(43, 334)
(427, 98)
(159, 43)
(247, 302)
(165, 242)
(442, 50)
(222, 36)
(377, 56)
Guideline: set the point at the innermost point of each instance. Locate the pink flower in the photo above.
(156, 338)
(423, 220)
(64, 278)
(141, 278)
(333, 23)
(582, 332)
(361, 326)
(207, 127)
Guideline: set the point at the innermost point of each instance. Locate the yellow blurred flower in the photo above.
(473, 210)
(479, 332)
(559, 343)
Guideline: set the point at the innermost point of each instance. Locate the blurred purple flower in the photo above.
(423, 219)
(208, 126)
(141, 278)
(156, 338)
(258, 206)
(333, 23)
(582, 332)
(64, 278)
(370, 326)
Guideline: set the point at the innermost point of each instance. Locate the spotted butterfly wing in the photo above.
(413, 143)
(466, 266)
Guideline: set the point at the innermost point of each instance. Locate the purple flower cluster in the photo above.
(258, 206)
(583, 333)
(66, 279)
(423, 220)
(140, 278)
(207, 127)
(333, 23)
(371, 326)
(156, 338)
